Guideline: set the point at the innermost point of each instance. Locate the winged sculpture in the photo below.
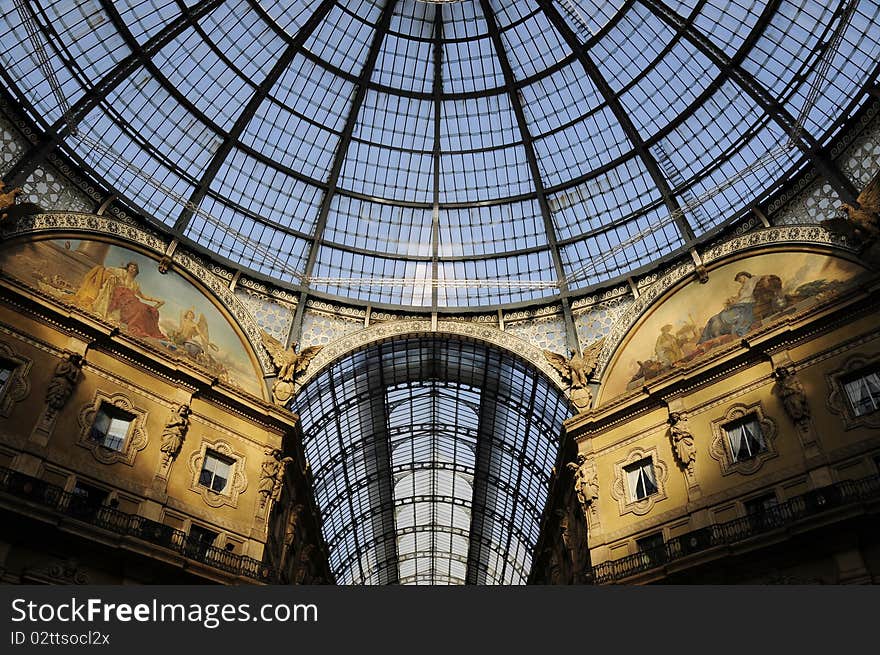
(867, 215)
(7, 198)
(576, 370)
(864, 217)
(288, 362)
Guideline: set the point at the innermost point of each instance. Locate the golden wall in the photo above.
(87, 334)
(770, 347)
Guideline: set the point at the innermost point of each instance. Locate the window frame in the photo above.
(136, 435)
(237, 481)
(640, 468)
(17, 386)
(113, 414)
(722, 448)
(623, 493)
(213, 455)
(864, 374)
(757, 436)
(838, 401)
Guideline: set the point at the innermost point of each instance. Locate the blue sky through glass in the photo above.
(289, 183)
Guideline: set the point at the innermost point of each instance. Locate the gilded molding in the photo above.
(382, 331)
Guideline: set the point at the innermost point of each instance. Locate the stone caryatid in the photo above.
(63, 381)
(174, 433)
(289, 364)
(576, 371)
(683, 446)
(586, 484)
(792, 394)
(272, 475)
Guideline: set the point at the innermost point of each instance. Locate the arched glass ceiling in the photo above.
(440, 154)
(431, 462)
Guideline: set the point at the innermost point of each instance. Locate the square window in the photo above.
(641, 479)
(111, 427)
(863, 392)
(216, 471)
(745, 438)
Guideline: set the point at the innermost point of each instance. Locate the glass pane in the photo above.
(100, 426)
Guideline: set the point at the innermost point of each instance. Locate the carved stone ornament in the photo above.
(235, 486)
(837, 401)
(683, 446)
(289, 364)
(174, 433)
(69, 571)
(720, 448)
(135, 440)
(581, 398)
(586, 483)
(272, 475)
(401, 328)
(792, 394)
(57, 572)
(7, 200)
(63, 381)
(18, 384)
(620, 492)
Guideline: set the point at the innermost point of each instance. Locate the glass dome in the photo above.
(441, 154)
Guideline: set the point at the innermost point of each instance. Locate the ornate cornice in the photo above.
(387, 330)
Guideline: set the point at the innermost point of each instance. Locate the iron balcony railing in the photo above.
(108, 518)
(809, 504)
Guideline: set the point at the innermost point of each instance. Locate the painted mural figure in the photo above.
(110, 291)
(668, 347)
(738, 313)
(192, 334)
(80, 273)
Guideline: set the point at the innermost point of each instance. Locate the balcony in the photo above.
(73, 507)
(811, 504)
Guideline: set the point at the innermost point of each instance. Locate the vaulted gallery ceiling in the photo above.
(442, 154)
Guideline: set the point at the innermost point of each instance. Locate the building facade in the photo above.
(408, 335)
